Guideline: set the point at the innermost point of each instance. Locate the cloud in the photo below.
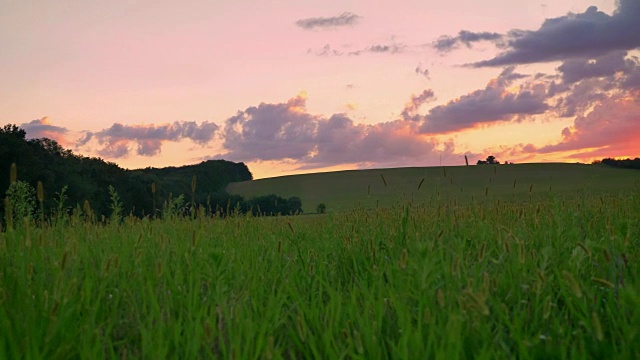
(591, 34)
(326, 50)
(43, 128)
(392, 48)
(287, 132)
(495, 103)
(612, 128)
(118, 140)
(632, 79)
(340, 141)
(270, 132)
(586, 82)
(447, 43)
(574, 70)
(411, 108)
(344, 19)
(581, 96)
(422, 71)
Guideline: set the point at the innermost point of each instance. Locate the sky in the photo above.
(291, 87)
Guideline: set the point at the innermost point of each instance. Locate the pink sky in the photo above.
(290, 87)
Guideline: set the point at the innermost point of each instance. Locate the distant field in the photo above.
(345, 189)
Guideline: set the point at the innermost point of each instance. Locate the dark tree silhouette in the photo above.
(491, 160)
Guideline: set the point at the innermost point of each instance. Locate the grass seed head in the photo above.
(40, 192)
(159, 268)
(483, 248)
(603, 282)
(63, 263)
(571, 282)
(13, 177)
(541, 276)
(403, 259)
(8, 212)
(597, 327)
(440, 297)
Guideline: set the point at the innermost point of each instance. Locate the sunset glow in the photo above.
(297, 87)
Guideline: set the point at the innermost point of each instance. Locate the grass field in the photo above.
(542, 277)
(344, 189)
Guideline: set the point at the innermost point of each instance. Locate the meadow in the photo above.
(534, 273)
(340, 190)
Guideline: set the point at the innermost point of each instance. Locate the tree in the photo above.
(321, 208)
(491, 160)
(295, 205)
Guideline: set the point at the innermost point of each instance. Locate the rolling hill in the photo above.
(385, 187)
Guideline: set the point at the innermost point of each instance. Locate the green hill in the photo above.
(344, 189)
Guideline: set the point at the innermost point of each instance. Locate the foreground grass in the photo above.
(541, 279)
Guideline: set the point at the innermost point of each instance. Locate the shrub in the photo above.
(23, 200)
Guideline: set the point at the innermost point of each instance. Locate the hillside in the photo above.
(88, 179)
(345, 189)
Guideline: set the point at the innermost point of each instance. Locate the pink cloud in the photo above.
(118, 140)
(44, 128)
(288, 132)
(611, 129)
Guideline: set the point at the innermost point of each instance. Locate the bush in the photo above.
(321, 208)
(23, 201)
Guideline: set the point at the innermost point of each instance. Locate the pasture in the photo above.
(440, 272)
(432, 185)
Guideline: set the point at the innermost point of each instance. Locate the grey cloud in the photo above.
(575, 70)
(447, 43)
(586, 83)
(270, 132)
(632, 81)
(410, 109)
(341, 141)
(114, 150)
(581, 96)
(508, 76)
(555, 88)
(422, 71)
(326, 50)
(117, 140)
(42, 128)
(286, 131)
(489, 105)
(586, 35)
(393, 48)
(344, 19)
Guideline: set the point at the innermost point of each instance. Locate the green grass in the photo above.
(463, 184)
(545, 278)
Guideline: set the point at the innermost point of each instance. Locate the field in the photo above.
(495, 270)
(432, 185)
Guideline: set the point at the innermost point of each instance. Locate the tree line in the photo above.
(622, 163)
(79, 181)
